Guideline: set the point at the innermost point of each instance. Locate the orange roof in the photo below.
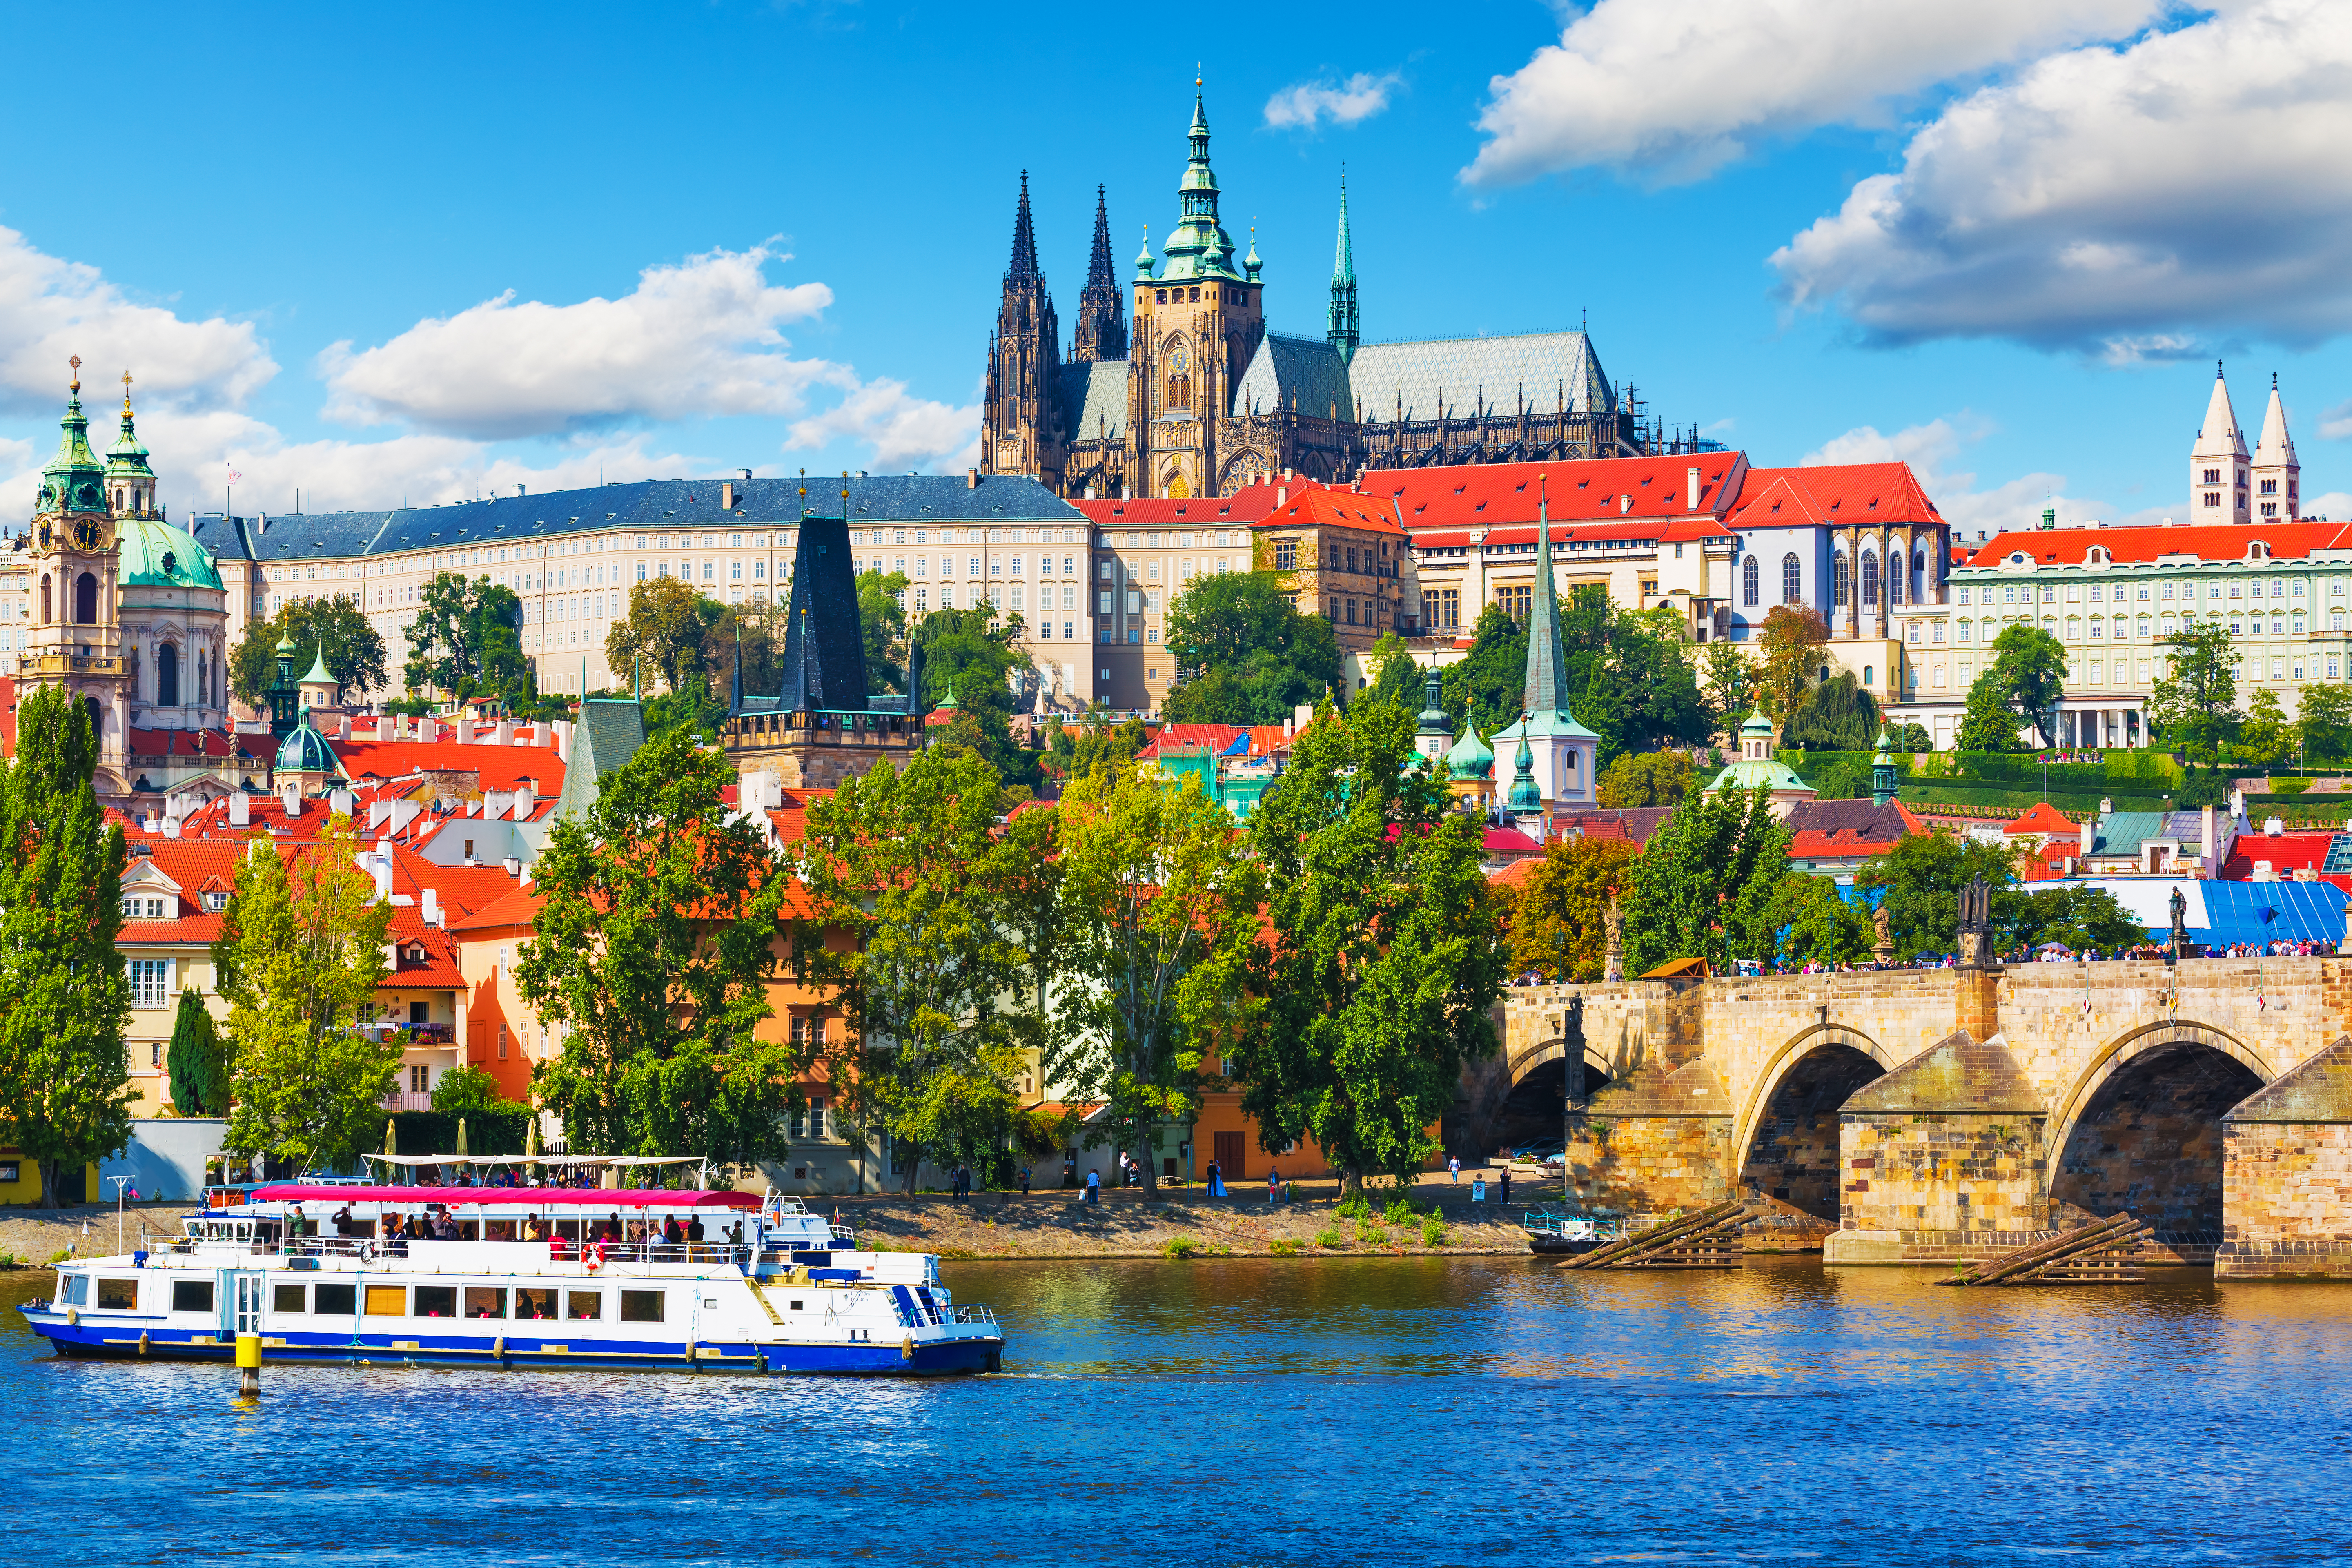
(1239, 510)
(519, 908)
(1847, 492)
(1322, 508)
(1587, 490)
(2211, 542)
(2044, 818)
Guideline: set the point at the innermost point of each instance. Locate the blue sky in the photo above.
(425, 254)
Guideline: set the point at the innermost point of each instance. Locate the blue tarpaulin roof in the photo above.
(2221, 913)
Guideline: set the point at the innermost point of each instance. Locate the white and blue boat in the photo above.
(522, 1277)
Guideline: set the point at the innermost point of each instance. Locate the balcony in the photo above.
(67, 664)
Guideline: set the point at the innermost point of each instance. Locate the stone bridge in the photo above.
(1928, 1115)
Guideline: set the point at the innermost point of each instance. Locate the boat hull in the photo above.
(918, 1358)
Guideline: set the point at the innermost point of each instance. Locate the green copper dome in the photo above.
(158, 555)
(73, 481)
(320, 675)
(1525, 795)
(1470, 759)
(305, 751)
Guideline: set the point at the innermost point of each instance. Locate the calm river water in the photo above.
(1332, 1411)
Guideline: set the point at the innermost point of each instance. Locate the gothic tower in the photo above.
(76, 641)
(2217, 463)
(2278, 476)
(1021, 419)
(1346, 330)
(1197, 323)
(1101, 330)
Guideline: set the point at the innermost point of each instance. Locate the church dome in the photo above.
(305, 751)
(157, 553)
(1470, 758)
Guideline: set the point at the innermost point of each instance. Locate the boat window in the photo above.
(534, 1303)
(641, 1306)
(342, 1299)
(192, 1295)
(796, 1306)
(387, 1301)
(569, 1229)
(484, 1301)
(286, 1299)
(584, 1303)
(74, 1290)
(437, 1301)
(123, 1295)
(501, 1230)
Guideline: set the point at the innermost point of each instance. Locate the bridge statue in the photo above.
(1976, 925)
(2179, 929)
(1612, 921)
(1883, 949)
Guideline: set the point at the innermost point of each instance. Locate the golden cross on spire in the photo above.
(75, 362)
(126, 392)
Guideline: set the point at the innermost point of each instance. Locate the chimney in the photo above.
(726, 495)
(461, 728)
(506, 730)
(381, 867)
(171, 827)
(240, 810)
(526, 800)
(432, 907)
(293, 797)
(514, 867)
(518, 492)
(2090, 835)
(1692, 474)
(2212, 850)
(971, 478)
(342, 803)
(495, 803)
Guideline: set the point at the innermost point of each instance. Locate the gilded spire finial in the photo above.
(75, 362)
(126, 392)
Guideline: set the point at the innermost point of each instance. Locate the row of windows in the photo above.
(947, 566)
(1752, 579)
(2237, 588)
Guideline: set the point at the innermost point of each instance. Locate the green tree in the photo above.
(1988, 723)
(1728, 686)
(1791, 642)
(2266, 738)
(1703, 884)
(2324, 721)
(65, 1082)
(1815, 924)
(1381, 951)
(973, 656)
(466, 640)
(467, 1091)
(908, 866)
(1245, 653)
(1162, 913)
(651, 957)
(1487, 686)
(1639, 689)
(669, 627)
(2079, 918)
(299, 955)
(1909, 739)
(882, 627)
(1558, 928)
(198, 1065)
(1920, 880)
(2029, 670)
(1838, 715)
(1395, 676)
(1645, 778)
(355, 648)
(1095, 744)
(2193, 704)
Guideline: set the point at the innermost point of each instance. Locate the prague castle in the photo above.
(1200, 398)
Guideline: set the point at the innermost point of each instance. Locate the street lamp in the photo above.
(119, 1184)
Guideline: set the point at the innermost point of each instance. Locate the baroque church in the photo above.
(1202, 399)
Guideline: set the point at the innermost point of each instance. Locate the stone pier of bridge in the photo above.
(1927, 1116)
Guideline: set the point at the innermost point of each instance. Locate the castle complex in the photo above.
(1200, 398)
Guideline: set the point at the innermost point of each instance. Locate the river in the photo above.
(1322, 1411)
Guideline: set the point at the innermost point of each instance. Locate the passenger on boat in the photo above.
(295, 1225)
(395, 1234)
(558, 1247)
(444, 1228)
(694, 1228)
(530, 1231)
(672, 1232)
(612, 1231)
(343, 1220)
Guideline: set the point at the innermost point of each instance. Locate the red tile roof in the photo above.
(2211, 542)
(1321, 508)
(2288, 853)
(1237, 510)
(1834, 830)
(519, 907)
(2045, 818)
(1589, 491)
(1265, 739)
(1855, 492)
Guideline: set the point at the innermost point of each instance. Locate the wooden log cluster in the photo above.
(1708, 1239)
(2106, 1253)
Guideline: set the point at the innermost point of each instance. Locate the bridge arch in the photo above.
(1784, 1142)
(2139, 1128)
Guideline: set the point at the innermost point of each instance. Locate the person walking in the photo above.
(1025, 1181)
(1094, 1187)
(1273, 1187)
(1454, 1168)
(1506, 1184)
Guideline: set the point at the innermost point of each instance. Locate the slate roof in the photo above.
(1823, 828)
(1095, 397)
(647, 504)
(606, 736)
(1285, 367)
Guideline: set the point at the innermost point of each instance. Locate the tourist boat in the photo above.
(1557, 1230)
(321, 1272)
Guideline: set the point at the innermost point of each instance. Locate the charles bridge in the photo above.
(1918, 1116)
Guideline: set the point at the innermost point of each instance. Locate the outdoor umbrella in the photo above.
(461, 1135)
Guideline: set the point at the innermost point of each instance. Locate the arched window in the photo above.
(1841, 580)
(1895, 576)
(47, 610)
(1869, 581)
(167, 676)
(97, 726)
(86, 600)
(1920, 581)
(1865, 674)
(1750, 587)
(1792, 580)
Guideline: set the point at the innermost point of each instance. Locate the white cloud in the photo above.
(1305, 104)
(2336, 423)
(2336, 506)
(2109, 199)
(1934, 450)
(1673, 90)
(906, 432)
(52, 309)
(696, 338)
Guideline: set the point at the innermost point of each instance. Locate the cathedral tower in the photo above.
(2278, 476)
(2217, 463)
(1197, 323)
(1101, 330)
(1346, 330)
(76, 641)
(1021, 418)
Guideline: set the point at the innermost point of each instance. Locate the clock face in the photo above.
(86, 534)
(1179, 358)
(45, 534)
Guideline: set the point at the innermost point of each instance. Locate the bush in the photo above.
(1370, 1233)
(1399, 1210)
(1286, 1247)
(1433, 1231)
(2289, 786)
(1327, 1237)
(1354, 1207)
(1176, 1248)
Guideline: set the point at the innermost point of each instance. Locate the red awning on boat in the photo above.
(525, 1198)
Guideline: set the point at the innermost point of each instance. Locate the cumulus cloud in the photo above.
(52, 309)
(1934, 451)
(1304, 105)
(1670, 91)
(696, 338)
(907, 432)
(2336, 423)
(2108, 199)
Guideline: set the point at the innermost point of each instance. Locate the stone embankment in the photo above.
(33, 1236)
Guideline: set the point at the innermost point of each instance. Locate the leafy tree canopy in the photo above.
(2029, 671)
(1838, 715)
(467, 641)
(1558, 925)
(2324, 721)
(1791, 645)
(974, 655)
(1704, 885)
(355, 648)
(1646, 778)
(1988, 723)
(197, 1061)
(668, 629)
(1247, 654)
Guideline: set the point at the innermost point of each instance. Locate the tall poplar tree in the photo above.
(299, 957)
(651, 957)
(199, 1070)
(65, 1081)
(1382, 950)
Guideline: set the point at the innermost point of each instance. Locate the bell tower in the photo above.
(76, 640)
(1021, 416)
(130, 480)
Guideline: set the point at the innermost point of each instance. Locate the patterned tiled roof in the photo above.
(1544, 368)
(1094, 395)
(1306, 371)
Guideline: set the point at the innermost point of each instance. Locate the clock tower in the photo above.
(76, 638)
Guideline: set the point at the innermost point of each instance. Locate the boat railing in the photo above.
(1565, 1224)
(975, 1315)
(844, 1239)
(372, 1248)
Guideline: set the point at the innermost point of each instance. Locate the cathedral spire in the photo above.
(1024, 240)
(1346, 327)
(1101, 330)
(1547, 689)
(1200, 248)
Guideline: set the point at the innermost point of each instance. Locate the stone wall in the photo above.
(2286, 1176)
(1655, 1142)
